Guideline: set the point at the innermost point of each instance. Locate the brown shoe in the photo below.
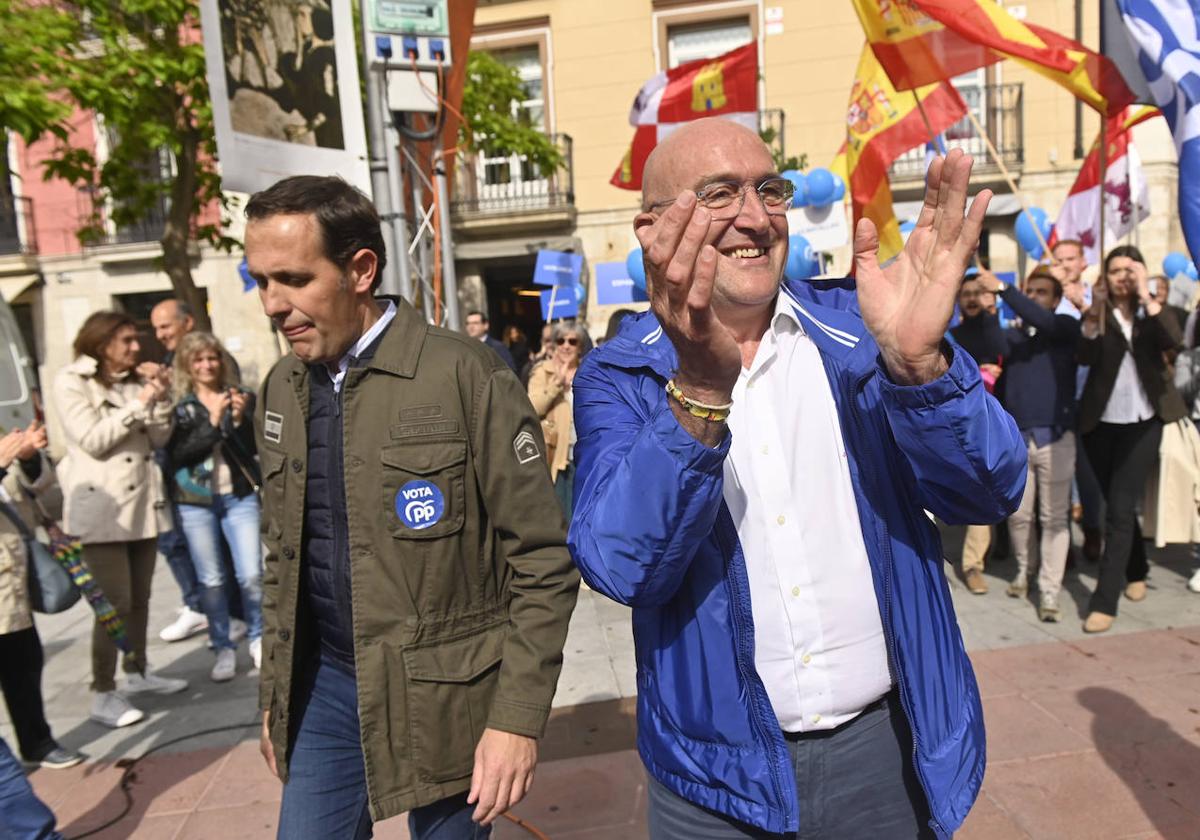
(1098, 622)
(975, 582)
(1135, 590)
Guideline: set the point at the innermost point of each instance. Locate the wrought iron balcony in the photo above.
(17, 233)
(510, 184)
(1000, 112)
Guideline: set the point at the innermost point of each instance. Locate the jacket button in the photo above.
(289, 552)
(284, 635)
(131, 488)
(128, 459)
(297, 465)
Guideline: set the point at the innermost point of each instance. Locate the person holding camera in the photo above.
(215, 477)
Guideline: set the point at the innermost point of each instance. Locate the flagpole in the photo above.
(1103, 181)
(1012, 185)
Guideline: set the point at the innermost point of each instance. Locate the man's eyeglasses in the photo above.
(724, 199)
(567, 339)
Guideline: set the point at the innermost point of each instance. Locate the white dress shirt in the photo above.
(819, 644)
(362, 344)
(1128, 402)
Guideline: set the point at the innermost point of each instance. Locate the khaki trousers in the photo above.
(1048, 494)
(975, 546)
(124, 572)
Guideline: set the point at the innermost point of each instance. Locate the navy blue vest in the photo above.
(326, 528)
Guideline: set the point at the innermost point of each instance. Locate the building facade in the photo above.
(584, 63)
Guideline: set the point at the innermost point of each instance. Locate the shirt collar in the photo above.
(785, 319)
(365, 340)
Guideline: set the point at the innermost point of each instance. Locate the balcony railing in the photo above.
(149, 228)
(17, 234)
(511, 184)
(1000, 112)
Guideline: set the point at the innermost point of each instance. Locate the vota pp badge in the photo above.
(420, 504)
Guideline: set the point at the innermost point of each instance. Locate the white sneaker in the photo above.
(189, 623)
(153, 683)
(1194, 583)
(237, 630)
(111, 709)
(256, 653)
(226, 667)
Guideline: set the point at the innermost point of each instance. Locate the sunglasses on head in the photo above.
(567, 339)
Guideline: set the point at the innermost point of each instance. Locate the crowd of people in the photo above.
(1094, 376)
(418, 643)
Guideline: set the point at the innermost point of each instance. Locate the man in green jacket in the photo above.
(417, 587)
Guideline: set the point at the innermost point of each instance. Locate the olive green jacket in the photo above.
(459, 624)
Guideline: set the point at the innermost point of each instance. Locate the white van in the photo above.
(20, 401)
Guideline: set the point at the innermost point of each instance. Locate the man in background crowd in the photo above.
(978, 333)
(1038, 390)
(477, 328)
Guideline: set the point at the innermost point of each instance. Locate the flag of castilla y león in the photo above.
(882, 124)
(726, 86)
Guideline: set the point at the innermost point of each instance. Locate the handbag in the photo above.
(51, 589)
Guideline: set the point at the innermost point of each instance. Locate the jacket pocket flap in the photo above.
(272, 461)
(459, 661)
(426, 457)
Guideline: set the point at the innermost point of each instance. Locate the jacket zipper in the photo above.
(749, 679)
(897, 676)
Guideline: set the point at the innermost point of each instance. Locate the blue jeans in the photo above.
(22, 815)
(326, 792)
(238, 521)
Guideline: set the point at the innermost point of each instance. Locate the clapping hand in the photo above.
(217, 413)
(238, 401)
(10, 446)
(907, 305)
(34, 440)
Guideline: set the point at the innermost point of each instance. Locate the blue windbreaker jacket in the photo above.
(651, 530)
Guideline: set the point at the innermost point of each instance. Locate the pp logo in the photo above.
(420, 504)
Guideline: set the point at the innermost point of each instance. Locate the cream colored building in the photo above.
(586, 60)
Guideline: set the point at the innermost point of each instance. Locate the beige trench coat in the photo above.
(1171, 508)
(112, 488)
(554, 410)
(20, 494)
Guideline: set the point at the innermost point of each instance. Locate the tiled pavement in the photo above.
(1095, 737)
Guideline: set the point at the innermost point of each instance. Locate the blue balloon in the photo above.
(907, 227)
(802, 261)
(248, 282)
(839, 188)
(821, 187)
(800, 198)
(1191, 272)
(580, 293)
(1175, 264)
(636, 268)
(1027, 227)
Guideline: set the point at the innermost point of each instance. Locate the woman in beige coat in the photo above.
(550, 392)
(113, 415)
(27, 492)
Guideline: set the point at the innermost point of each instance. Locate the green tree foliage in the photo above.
(139, 66)
(494, 126)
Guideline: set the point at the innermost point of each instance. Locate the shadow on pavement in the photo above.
(1158, 766)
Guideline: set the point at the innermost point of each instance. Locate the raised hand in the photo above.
(10, 445)
(680, 271)
(907, 306)
(216, 412)
(34, 440)
(238, 402)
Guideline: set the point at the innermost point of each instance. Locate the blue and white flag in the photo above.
(1166, 36)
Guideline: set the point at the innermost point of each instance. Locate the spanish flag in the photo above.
(921, 41)
(881, 125)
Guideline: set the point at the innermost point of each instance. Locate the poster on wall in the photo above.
(283, 78)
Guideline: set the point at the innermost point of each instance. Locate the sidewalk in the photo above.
(1089, 737)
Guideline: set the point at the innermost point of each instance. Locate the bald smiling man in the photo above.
(753, 465)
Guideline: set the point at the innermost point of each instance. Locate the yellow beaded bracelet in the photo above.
(712, 413)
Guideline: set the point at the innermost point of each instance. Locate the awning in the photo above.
(11, 288)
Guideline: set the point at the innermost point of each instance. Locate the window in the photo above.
(527, 61)
(689, 42)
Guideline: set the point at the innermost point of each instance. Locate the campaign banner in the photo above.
(284, 88)
(557, 268)
(615, 286)
(560, 302)
(825, 228)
